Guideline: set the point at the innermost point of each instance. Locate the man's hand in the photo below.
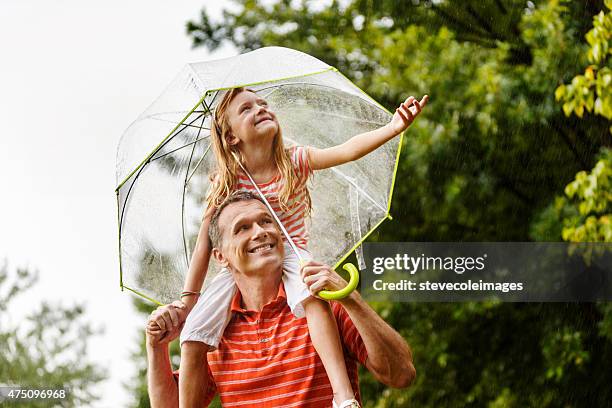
(406, 113)
(318, 276)
(165, 323)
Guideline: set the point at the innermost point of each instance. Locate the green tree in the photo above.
(48, 348)
(587, 207)
(593, 90)
(584, 212)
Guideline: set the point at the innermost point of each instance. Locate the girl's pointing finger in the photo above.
(424, 100)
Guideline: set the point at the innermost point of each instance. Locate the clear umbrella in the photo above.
(165, 156)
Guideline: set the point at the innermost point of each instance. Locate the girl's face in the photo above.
(250, 119)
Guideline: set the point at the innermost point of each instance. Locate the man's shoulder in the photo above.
(337, 308)
(342, 318)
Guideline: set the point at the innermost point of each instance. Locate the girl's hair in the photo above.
(225, 177)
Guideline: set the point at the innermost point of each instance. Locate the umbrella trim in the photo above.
(350, 251)
(204, 97)
(119, 246)
(142, 295)
(396, 167)
(120, 214)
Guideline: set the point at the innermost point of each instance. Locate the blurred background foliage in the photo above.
(47, 348)
(514, 146)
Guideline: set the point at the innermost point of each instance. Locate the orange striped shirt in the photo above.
(266, 359)
(293, 218)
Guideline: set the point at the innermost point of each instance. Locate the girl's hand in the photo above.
(166, 322)
(406, 113)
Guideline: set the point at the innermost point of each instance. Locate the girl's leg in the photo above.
(321, 325)
(326, 340)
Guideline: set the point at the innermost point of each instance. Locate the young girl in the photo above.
(245, 129)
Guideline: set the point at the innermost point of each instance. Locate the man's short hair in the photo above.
(213, 229)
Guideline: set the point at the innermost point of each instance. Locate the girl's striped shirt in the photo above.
(293, 219)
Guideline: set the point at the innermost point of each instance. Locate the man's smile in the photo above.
(265, 247)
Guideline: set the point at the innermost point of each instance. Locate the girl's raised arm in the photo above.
(364, 143)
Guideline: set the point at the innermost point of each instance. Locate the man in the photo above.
(265, 357)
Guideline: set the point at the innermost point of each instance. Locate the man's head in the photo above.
(244, 235)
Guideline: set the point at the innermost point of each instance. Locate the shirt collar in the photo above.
(236, 305)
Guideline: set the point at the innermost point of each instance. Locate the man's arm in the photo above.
(389, 356)
(165, 325)
(163, 389)
(193, 381)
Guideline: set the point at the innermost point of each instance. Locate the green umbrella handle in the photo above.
(342, 293)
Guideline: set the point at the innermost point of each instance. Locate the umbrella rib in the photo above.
(184, 191)
(172, 137)
(368, 99)
(153, 115)
(362, 191)
(184, 124)
(179, 148)
(207, 108)
(207, 148)
(199, 162)
(204, 112)
(378, 124)
(188, 176)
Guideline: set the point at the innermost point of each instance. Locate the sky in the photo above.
(74, 75)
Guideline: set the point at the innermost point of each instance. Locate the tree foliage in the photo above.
(590, 195)
(47, 349)
(593, 90)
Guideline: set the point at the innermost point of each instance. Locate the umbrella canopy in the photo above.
(165, 157)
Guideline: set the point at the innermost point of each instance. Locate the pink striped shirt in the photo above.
(293, 219)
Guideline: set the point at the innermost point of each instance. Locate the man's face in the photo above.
(250, 239)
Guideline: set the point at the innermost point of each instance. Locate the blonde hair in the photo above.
(225, 177)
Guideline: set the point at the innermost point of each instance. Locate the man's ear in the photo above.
(222, 260)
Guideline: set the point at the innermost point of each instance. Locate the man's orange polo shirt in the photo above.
(266, 359)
